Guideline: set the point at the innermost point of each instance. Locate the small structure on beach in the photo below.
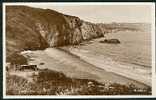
(17, 67)
(28, 67)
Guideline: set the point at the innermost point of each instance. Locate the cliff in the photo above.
(33, 28)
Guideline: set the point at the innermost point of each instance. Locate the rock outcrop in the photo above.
(111, 41)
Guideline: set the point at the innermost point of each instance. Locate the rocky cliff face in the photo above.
(33, 28)
(90, 31)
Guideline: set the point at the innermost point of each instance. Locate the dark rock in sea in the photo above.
(113, 41)
(42, 63)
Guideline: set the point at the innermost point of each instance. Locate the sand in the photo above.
(78, 67)
(131, 71)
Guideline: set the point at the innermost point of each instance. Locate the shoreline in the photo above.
(126, 70)
(77, 67)
(72, 53)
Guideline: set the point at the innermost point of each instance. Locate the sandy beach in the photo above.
(124, 69)
(78, 67)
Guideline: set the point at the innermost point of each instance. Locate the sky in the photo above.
(103, 13)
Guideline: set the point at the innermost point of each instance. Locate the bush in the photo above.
(16, 58)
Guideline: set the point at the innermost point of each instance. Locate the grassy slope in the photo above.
(49, 82)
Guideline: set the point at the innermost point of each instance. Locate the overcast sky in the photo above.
(103, 13)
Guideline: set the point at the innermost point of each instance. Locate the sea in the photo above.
(131, 58)
(135, 47)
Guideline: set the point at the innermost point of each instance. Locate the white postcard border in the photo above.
(85, 3)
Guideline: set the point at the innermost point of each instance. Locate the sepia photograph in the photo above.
(78, 49)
